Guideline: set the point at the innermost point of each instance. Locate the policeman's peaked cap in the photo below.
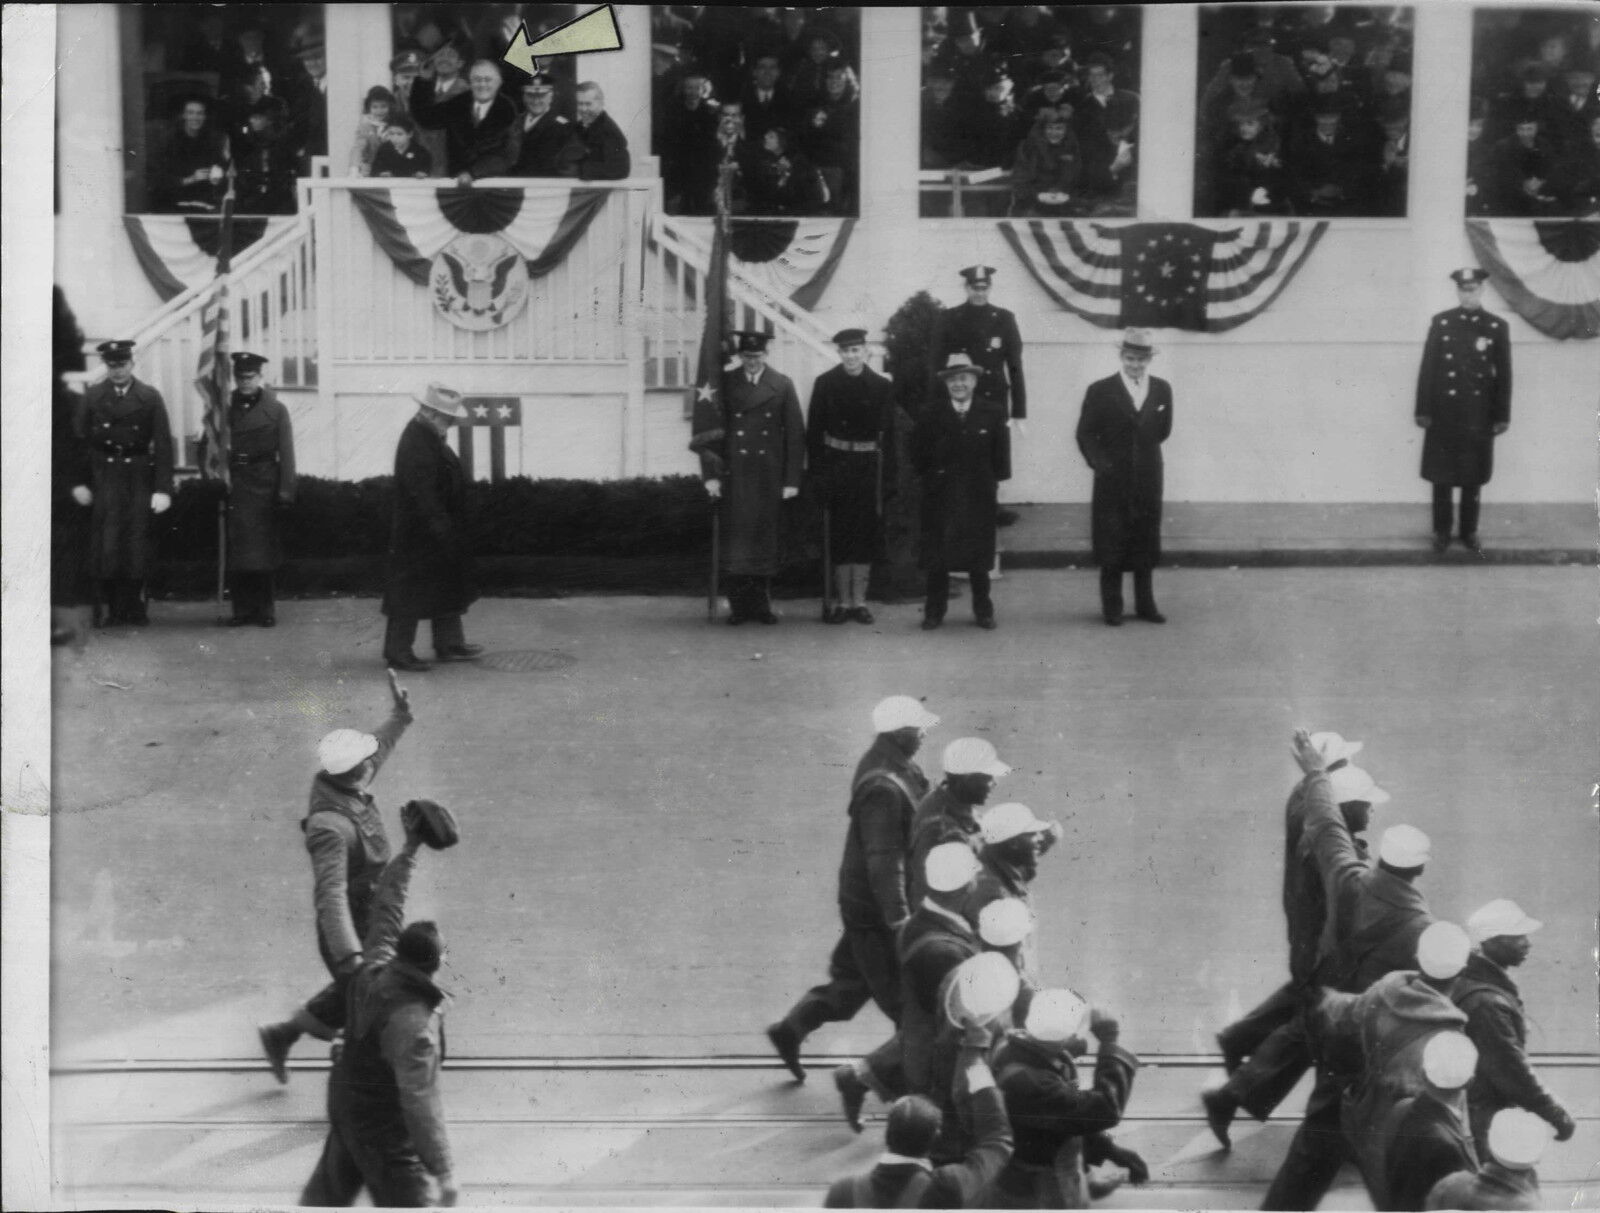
(975, 274)
(1469, 276)
(116, 351)
(246, 363)
(747, 341)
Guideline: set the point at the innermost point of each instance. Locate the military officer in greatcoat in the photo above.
(124, 422)
(758, 467)
(261, 484)
(850, 454)
(1464, 403)
(988, 336)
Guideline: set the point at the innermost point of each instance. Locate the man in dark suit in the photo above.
(430, 568)
(124, 422)
(751, 470)
(603, 146)
(687, 137)
(261, 485)
(1464, 404)
(477, 124)
(543, 143)
(1125, 419)
(765, 97)
(988, 336)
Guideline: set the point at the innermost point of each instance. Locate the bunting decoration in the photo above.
(212, 372)
(1163, 275)
(177, 252)
(1547, 271)
(791, 259)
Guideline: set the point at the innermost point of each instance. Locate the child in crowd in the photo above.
(376, 112)
(399, 155)
(1045, 175)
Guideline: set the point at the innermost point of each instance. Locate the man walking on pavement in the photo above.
(349, 847)
(884, 793)
(1014, 840)
(949, 812)
(1505, 1177)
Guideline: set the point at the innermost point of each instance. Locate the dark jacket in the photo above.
(884, 794)
(850, 453)
(762, 453)
(909, 1184)
(1305, 898)
(482, 149)
(1426, 1139)
(549, 148)
(261, 472)
(934, 940)
(390, 161)
(604, 150)
(130, 453)
(989, 336)
(430, 565)
(1124, 449)
(961, 461)
(1388, 917)
(939, 818)
(1491, 1186)
(1463, 392)
(1496, 1024)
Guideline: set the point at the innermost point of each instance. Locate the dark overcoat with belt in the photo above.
(1123, 446)
(989, 336)
(850, 453)
(130, 448)
(1463, 392)
(261, 480)
(430, 564)
(962, 460)
(763, 452)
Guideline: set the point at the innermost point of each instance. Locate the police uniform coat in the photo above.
(1123, 446)
(850, 452)
(962, 460)
(262, 479)
(130, 448)
(988, 335)
(1463, 390)
(764, 450)
(430, 568)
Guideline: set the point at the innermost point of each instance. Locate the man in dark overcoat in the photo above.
(430, 566)
(850, 452)
(478, 125)
(124, 422)
(1464, 404)
(1505, 1177)
(988, 336)
(1125, 419)
(70, 471)
(757, 469)
(261, 485)
(884, 793)
(962, 451)
(543, 143)
(949, 813)
(602, 146)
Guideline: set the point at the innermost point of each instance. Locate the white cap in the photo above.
(1449, 1060)
(973, 756)
(1500, 917)
(1005, 921)
(1006, 821)
(1056, 1014)
(1517, 1137)
(950, 866)
(1333, 747)
(345, 749)
(1352, 783)
(1404, 847)
(901, 712)
(1442, 950)
(981, 988)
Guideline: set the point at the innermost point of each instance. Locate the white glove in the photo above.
(1019, 426)
(82, 495)
(714, 489)
(789, 493)
(160, 503)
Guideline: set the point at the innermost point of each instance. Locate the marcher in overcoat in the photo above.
(261, 477)
(430, 563)
(1464, 404)
(988, 336)
(758, 468)
(949, 812)
(850, 451)
(478, 125)
(1125, 419)
(1505, 1177)
(962, 451)
(124, 422)
(1425, 1137)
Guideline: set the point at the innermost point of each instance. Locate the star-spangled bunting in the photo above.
(493, 410)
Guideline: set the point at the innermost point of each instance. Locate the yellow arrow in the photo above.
(594, 31)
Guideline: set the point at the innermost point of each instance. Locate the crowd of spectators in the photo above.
(772, 93)
(1044, 94)
(1304, 110)
(1534, 129)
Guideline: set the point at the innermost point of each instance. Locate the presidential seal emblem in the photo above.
(479, 282)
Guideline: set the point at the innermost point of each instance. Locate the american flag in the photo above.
(707, 428)
(212, 375)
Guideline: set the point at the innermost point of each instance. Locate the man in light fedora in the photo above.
(1125, 419)
(430, 567)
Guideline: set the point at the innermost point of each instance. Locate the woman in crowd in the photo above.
(189, 178)
(1045, 175)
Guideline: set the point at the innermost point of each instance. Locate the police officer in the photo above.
(988, 336)
(125, 425)
(1464, 404)
(261, 484)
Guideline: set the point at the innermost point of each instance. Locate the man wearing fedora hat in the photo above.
(430, 564)
(1125, 419)
(124, 423)
(261, 481)
(1463, 404)
(962, 451)
(988, 336)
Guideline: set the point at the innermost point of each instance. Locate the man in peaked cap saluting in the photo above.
(1464, 404)
(988, 336)
(884, 793)
(261, 480)
(124, 422)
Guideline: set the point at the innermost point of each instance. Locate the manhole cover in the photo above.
(527, 661)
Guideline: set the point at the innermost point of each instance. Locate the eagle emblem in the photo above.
(479, 282)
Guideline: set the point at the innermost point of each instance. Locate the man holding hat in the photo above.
(949, 812)
(1464, 404)
(261, 479)
(543, 143)
(750, 468)
(124, 423)
(988, 336)
(1125, 419)
(1497, 1024)
(430, 565)
(962, 451)
(884, 793)
(1505, 1178)
(850, 452)
(349, 847)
